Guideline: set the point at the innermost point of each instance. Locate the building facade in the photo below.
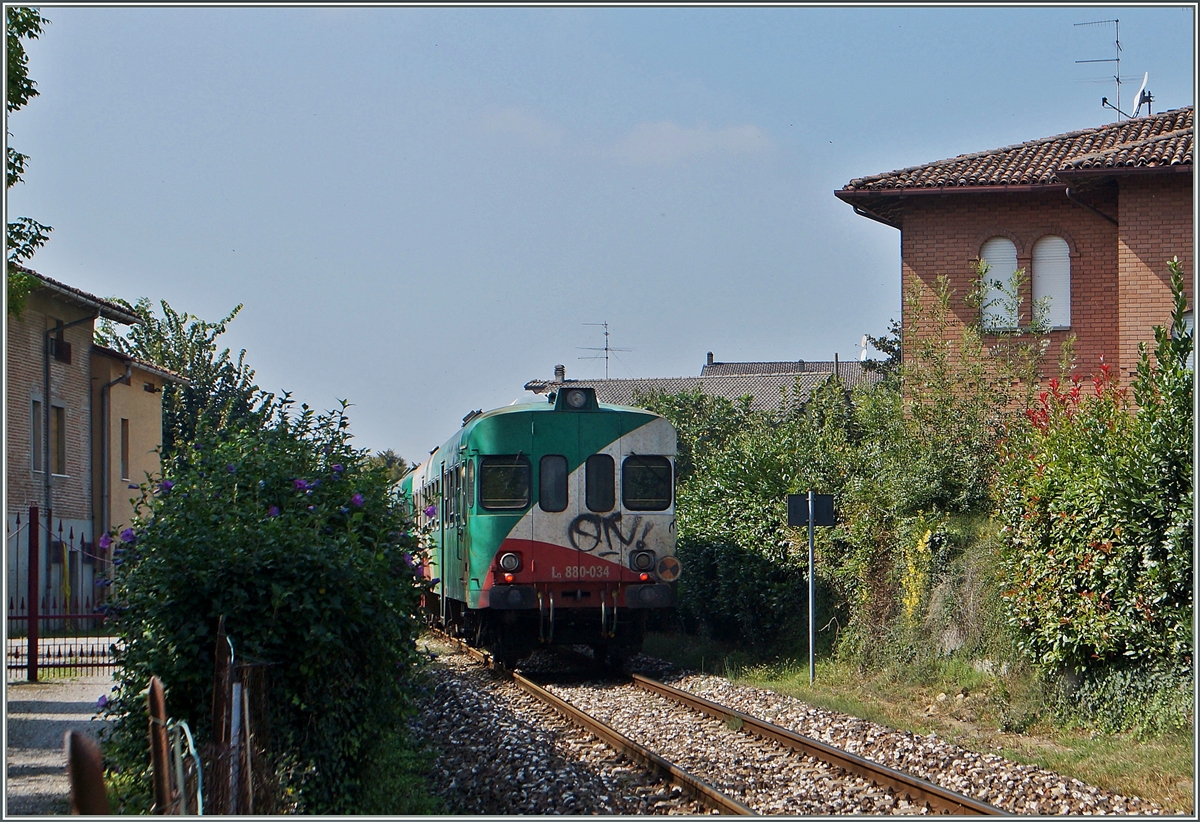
(56, 440)
(1092, 217)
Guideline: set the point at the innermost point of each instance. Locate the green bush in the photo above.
(1149, 699)
(297, 540)
(1097, 504)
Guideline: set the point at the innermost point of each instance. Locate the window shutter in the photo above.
(1052, 281)
(1001, 256)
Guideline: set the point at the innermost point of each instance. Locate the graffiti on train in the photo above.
(587, 531)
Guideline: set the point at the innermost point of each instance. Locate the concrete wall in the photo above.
(143, 408)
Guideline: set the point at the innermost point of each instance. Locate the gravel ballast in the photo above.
(500, 751)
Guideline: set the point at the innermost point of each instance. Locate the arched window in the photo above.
(999, 310)
(1052, 282)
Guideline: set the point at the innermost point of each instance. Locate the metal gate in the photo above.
(59, 627)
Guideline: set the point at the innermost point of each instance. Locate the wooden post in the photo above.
(85, 773)
(218, 767)
(31, 636)
(159, 759)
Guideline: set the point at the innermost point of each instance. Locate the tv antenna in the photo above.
(1143, 97)
(607, 349)
(1117, 59)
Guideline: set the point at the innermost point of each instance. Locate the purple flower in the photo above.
(132, 486)
(407, 557)
(128, 535)
(273, 511)
(104, 541)
(339, 468)
(357, 500)
(101, 702)
(231, 467)
(300, 485)
(431, 511)
(165, 486)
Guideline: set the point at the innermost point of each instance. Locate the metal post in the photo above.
(812, 595)
(31, 636)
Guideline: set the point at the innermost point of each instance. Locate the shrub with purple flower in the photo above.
(229, 540)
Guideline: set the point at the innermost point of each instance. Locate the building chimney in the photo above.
(710, 359)
(560, 373)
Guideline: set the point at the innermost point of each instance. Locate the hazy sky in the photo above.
(421, 208)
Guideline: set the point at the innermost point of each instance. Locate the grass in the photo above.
(995, 714)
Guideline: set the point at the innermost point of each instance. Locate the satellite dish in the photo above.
(1140, 97)
(863, 356)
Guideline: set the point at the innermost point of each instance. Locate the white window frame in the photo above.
(999, 253)
(1052, 282)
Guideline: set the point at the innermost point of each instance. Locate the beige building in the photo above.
(77, 409)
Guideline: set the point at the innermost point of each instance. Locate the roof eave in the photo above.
(105, 309)
(1123, 171)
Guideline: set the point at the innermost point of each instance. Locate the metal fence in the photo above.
(54, 623)
(69, 642)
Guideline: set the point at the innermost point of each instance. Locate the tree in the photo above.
(220, 390)
(24, 234)
(392, 463)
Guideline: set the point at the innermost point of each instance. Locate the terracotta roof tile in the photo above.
(1156, 140)
(766, 387)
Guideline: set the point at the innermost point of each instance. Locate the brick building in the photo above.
(102, 410)
(1092, 216)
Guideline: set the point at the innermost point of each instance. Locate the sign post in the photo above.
(811, 509)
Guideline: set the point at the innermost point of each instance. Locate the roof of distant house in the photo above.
(70, 294)
(1159, 143)
(771, 384)
(715, 369)
(144, 365)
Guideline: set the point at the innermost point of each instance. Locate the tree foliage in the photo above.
(220, 390)
(1097, 504)
(24, 235)
(907, 461)
(275, 523)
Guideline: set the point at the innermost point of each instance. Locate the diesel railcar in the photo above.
(550, 523)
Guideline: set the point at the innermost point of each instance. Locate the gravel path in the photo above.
(38, 716)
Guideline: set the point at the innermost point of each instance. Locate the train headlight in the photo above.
(510, 562)
(576, 398)
(641, 560)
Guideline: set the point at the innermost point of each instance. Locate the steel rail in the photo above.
(698, 788)
(939, 799)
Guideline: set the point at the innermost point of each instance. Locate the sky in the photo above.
(422, 209)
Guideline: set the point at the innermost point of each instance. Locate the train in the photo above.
(549, 523)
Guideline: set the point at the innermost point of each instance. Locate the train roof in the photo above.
(475, 417)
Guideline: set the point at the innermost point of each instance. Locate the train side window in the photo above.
(470, 485)
(504, 483)
(552, 483)
(601, 483)
(646, 483)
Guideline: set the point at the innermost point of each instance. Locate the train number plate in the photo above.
(581, 572)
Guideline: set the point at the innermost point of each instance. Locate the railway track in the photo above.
(822, 778)
(701, 791)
